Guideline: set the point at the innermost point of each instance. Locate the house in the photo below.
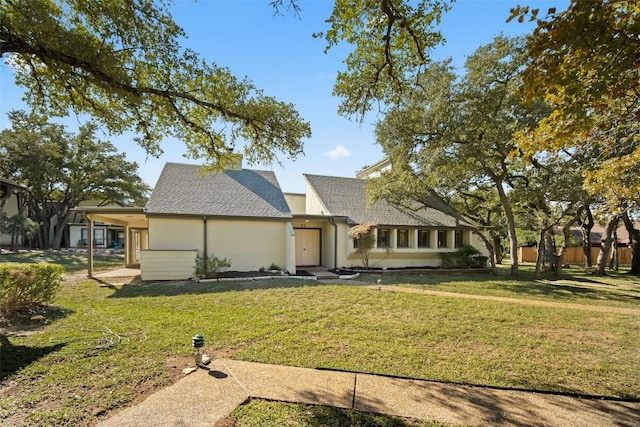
(9, 203)
(244, 216)
(104, 235)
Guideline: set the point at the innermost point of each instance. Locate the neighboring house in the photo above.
(104, 235)
(9, 203)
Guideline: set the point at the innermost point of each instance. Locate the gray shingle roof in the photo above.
(347, 197)
(180, 190)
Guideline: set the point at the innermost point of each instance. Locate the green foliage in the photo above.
(61, 170)
(461, 258)
(208, 267)
(364, 239)
(122, 64)
(391, 40)
(24, 286)
(274, 266)
(584, 61)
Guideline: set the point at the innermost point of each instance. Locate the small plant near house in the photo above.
(25, 286)
(465, 257)
(364, 240)
(274, 267)
(208, 267)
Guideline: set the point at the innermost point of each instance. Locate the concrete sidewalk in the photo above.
(208, 395)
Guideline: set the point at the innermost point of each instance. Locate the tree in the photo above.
(121, 63)
(584, 61)
(365, 240)
(60, 170)
(455, 132)
(391, 40)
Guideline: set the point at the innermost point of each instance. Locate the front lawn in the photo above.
(105, 347)
(72, 262)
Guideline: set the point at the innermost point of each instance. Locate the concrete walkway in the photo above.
(208, 395)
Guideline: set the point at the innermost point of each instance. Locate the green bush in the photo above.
(458, 259)
(23, 286)
(209, 267)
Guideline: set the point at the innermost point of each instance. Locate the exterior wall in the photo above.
(249, 244)
(10, 208)
(167, 265)
(395, 257)
(176, 234)
(313, 205)
(297, 203)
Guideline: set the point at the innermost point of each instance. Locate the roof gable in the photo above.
(347, 197)
(180, 190)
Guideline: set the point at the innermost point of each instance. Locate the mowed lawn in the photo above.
(105, 347)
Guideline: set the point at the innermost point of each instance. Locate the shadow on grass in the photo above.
(572, 285)
(167, 289)
(16, 357)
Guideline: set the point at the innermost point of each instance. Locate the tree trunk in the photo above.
(497, 246)
(634, 242)
(511, 227)
(566, 234)
(605, 245)
(614, 263)
(62, 225)
(540, 254)
(550, 251)
(491, 250)
(585, 227)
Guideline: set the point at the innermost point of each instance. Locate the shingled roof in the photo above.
(180, 190)
(347, 197)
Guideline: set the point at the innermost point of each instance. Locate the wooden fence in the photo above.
(575, 255)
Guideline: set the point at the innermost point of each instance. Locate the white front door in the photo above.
(307, 247)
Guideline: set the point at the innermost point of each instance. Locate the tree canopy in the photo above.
(61, 169)
(121, 62)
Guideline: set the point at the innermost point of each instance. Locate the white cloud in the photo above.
(340, 152)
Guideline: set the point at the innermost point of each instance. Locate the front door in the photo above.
(307, 246)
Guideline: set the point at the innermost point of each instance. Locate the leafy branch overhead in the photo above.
(391, 40)
(122, 63)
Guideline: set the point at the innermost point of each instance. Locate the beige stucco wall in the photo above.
(296, 202)
(250, 244)
(395, 257)
(176, 233)
(313, 204)
(167, 265)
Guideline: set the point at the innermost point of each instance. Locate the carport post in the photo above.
(89, 245)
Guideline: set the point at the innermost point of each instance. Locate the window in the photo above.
(442, 238)
(403, 238)
(458, 238)
(384, 238)
(424, 238)
(98, 236)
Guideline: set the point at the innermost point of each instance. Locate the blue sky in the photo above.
(279, 55)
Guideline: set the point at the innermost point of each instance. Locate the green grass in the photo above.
(104, 347)
(264, 413)
(575, 286)
(72, 263)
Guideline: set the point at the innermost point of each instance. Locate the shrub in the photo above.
(462, 258)
(23, 286)
(274, 266)
(209, 267)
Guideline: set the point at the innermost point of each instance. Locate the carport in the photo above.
(136, 226)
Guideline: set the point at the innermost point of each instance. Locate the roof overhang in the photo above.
(127, 216)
